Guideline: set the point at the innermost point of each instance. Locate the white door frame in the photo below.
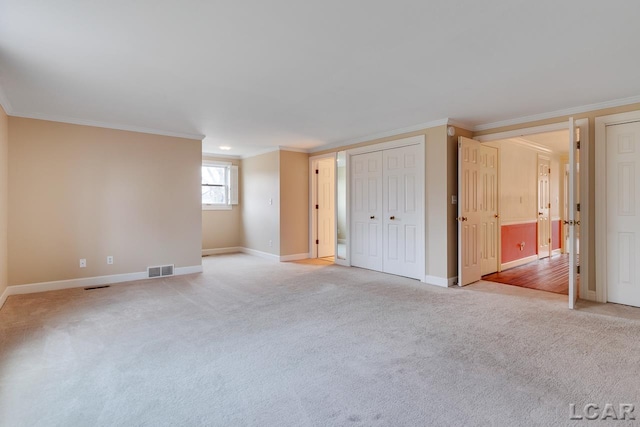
(583, 124)
(601, 188)
(313, 200)
(396, 143)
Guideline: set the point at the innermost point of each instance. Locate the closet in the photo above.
(387, 210)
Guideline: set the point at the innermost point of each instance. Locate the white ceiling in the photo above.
(259, 74)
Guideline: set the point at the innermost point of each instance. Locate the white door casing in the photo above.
(326, 207)
(544, 207)
(622, 216)
(489, 209)
(366, 210)
(403, 250)
(469, 215)
(574, 220)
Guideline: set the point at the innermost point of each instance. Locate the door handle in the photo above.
(462, 218)
(540, 213)
(496, 216)
(372, 217)
(392, 218)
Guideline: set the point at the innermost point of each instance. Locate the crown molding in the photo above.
(559, 113)
(82, 122)
(221, 156)
(530, 144)
(385, 134)
(294, 149)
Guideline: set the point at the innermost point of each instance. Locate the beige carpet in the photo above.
(255, 343)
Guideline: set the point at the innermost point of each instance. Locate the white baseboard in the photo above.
(88, 281)
(272, 257)
(192, 269)
(518, 262)
(556, 251)
(591, 296)
(294, 257)
(261, 254)
(219, 251)
(437, 281)
(4, 296)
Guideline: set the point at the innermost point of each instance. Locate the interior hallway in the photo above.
(257, 343)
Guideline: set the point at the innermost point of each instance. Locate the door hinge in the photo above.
(459, 144)
(549, 239)
(578, 207)
(578, 145)
(317, 171)
(549, 170)
(317, 242)
(317, 207)
(578, 270)
(549, 205)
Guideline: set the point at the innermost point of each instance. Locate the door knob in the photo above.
(372, 217)
(461, 218)
(392, 218)
(496, 216)
(540, 213)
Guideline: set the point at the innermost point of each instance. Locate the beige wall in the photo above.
(86, 192)
(4, 198)
(223, 228)
(518, 183)
(294, 203)
(260, 177)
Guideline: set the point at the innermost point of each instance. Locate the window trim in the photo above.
(219, 206)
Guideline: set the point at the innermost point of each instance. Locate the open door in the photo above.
(469, 213)
(574, 212)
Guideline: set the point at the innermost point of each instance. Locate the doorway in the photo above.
(322, 209)
(534, 210)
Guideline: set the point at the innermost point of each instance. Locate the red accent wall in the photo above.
(556, 232)
(513, 235)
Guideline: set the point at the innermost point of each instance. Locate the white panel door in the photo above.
(403, 236)
(489, 209)
(469, 216)
(326, 211)
(366, 210)
(623, 219)
(544, 207)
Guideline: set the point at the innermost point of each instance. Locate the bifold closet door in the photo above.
(403, 238)
(366, 210)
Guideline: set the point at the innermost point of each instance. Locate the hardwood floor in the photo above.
(548, 274)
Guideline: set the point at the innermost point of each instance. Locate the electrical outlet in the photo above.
(109, 259)
(83, 262)
(270, 243)
(454, 200)
(270, 201)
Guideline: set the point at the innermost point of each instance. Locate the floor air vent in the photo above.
(96, 287)
(160, 271)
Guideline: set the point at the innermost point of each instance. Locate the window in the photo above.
(219, 185)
